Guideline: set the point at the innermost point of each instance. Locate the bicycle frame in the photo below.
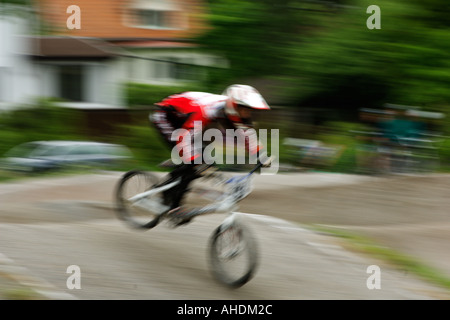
(154, 191)
(239, 189)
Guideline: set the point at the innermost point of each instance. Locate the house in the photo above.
(118, 41)
(154, 36)
(125, 19)
(18, 77)
(84, 71)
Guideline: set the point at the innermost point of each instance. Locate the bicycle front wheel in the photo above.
(233, 255)
(143, 213)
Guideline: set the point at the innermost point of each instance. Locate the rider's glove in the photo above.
(264, 160)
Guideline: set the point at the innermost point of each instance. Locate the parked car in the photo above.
(38, 156)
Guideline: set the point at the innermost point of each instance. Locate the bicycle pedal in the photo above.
(176, 222)
(178, 217)
(182, 222)
(167, 164)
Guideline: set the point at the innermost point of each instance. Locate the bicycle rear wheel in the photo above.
(143, 213)
(233, 255)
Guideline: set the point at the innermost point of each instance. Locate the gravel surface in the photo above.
(406, 213)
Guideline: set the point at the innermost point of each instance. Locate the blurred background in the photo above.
(346, 98)
(78, 79)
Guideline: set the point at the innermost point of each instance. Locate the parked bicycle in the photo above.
(398, 154)
(232, 249)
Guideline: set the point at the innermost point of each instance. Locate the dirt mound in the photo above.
(384, 201)
(407, 213)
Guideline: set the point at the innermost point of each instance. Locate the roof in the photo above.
(154, 44)
(72, 48)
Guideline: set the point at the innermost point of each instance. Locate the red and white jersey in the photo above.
(203, 106)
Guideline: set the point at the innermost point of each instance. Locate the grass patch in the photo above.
(366, 245)
(21, 294)
(10, 289)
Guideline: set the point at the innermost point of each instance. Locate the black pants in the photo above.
(187, 174)
(166, 120)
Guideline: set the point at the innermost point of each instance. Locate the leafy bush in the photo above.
(146, 144)
(139, 94)
(339, 134)
(444, 154)
(43, 121)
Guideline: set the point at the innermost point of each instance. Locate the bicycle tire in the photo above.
(246, 246)
(132, 183)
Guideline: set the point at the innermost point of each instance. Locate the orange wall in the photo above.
(105, 19)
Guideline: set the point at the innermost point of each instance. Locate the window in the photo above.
(176, 68)
(184, 69)
(84, 150)
(51, 151)
(155, 14)
(2, 84)
(151, 18)
(71, 82)
(159, 69)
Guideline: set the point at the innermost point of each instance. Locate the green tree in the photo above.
(252, 35)
(346, 64)
(327, 55)
(21, 2)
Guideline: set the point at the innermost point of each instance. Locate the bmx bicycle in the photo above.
(397, 155)
(233, 251)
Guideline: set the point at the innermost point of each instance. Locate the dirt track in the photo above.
(406, 213)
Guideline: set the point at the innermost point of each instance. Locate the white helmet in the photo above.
(244, 96)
